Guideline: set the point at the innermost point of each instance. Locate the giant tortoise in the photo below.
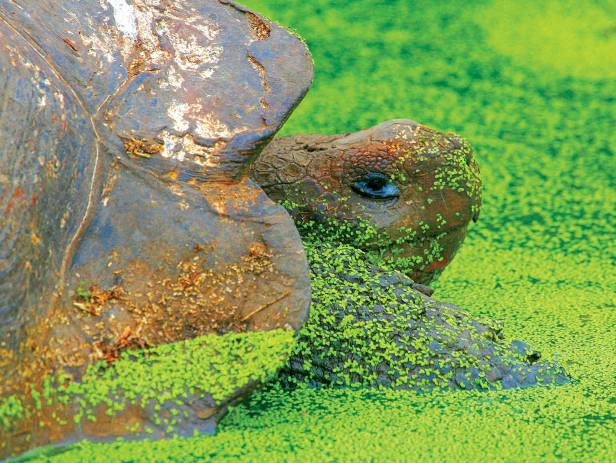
(146, 280)
(381, 212)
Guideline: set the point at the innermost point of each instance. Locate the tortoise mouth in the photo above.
(449, 242)
(425, 256)
(449, 239)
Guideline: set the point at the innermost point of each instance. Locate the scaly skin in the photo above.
(420, 228)
(370, 324)
(369, 327)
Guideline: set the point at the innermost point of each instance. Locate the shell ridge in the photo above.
(96, 173)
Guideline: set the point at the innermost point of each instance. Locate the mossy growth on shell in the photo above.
(164, 382)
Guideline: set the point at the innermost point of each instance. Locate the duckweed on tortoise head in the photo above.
(378, 247)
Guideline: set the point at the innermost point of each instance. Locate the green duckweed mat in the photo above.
(532, 86)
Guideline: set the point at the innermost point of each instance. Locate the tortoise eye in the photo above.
(377, 186)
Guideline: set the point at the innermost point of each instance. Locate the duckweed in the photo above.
(166, 377)
(214, 364)
(368, 327)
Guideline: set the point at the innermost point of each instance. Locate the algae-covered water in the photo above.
(532, 85)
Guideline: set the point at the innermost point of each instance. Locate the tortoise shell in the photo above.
(127, 131)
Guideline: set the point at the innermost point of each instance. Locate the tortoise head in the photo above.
(401, 190)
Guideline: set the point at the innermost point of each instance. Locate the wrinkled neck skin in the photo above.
(417, 231)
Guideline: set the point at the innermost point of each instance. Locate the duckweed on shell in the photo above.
(191, 378)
